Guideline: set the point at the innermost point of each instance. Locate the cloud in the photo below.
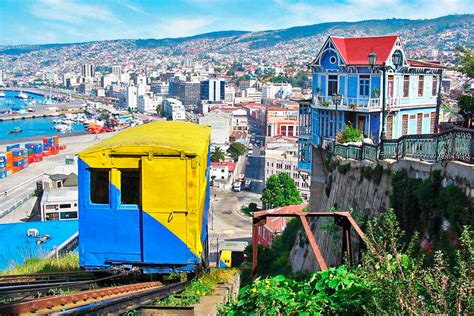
(72, 12)
(181, 27)
(301, 13)
(135, 8)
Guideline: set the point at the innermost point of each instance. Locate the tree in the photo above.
(253, 207)
(280, 190)
(217, 155)
(466, 100)
(236, 149)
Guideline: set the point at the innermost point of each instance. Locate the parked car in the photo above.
(248, 184)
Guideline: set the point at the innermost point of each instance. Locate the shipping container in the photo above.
(10, 147)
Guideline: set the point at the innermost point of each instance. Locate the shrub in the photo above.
(343, 169)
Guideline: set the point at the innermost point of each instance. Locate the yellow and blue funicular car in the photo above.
(144, 199)
(232, 253)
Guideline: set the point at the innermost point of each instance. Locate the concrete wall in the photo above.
(352, 191)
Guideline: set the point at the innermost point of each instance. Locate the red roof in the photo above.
(229, 164)
(355, 50)
(426, 64)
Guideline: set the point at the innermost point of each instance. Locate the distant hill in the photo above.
(415, 33)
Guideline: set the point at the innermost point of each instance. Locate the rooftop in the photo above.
(16, 246)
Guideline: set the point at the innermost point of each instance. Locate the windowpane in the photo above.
(99, 186)
(406, 85)
(421, 81)
(130, 186)
(68, 215)
(434, 88)
(332, 85)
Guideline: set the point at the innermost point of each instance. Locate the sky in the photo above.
(69, 21)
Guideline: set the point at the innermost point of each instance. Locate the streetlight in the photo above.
(397, 60)
(336, 98)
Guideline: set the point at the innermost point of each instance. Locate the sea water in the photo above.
(41, 126)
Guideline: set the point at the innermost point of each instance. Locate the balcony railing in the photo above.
(355, 103)
(454, 144)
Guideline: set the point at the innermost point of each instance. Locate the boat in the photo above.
(16, 130)
(22, 95)
(63, 128)
(2, 94)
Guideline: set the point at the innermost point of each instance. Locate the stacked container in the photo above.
(20, 159)
(35, 152)
(9, 156)
(3, 165)
(51, 145)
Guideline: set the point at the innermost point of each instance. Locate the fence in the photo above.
(454, 144)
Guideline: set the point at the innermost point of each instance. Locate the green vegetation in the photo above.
(391, 280)
(274, 260)
(344, 168)
(199, 287)
(236, 149)
(70, 262)
(331, 291)
(217, 155)
(349, 134)
(248, 210)
(466, 100)
(280, 190)
(434, 212)
(370, 173)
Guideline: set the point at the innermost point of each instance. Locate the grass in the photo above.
(70, 262)
(202, 286)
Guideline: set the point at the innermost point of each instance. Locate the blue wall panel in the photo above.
(353, 86)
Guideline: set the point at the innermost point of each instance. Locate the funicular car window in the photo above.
(130, 186)
(99, 186)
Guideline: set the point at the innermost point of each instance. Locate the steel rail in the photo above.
(122, 297)
(33, 289)
(122, 304)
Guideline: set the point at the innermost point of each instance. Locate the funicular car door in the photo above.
(164, 210)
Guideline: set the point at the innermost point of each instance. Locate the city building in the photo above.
(186, 91)
(221, 126)
(174, 109)
(276, 90)
(160, 88)
(274, 226)
(282, 120)
(213, 90)
(148, 103)
(88, 71)
(342, 73)
(2, 76)
(281, 155)
(132, 97)
(117, 71)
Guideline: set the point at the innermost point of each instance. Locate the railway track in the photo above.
(115, 299)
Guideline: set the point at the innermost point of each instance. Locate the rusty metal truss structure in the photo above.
(343, 219)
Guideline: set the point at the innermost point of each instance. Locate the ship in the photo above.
(16, 130)
(2, 94)
(22, 95)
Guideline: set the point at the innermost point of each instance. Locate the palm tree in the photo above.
(217, 155)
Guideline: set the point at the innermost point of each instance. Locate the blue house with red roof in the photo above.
(342, 74)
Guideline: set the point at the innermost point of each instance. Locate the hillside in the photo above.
(414, 32)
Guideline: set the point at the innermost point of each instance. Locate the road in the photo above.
(16, 186)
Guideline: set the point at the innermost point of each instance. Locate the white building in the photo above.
(2, 74)
(221, 126)
(117, 71)
(229, 95)
(174, 109)
(88, 71)
(132, 96)
(239, 120)
(213, 90)
(281, 155)
(276, 90)
(148, 103)
(252, 94)
(59, 204)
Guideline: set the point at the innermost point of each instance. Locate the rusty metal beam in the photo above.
(254, 249)
(313, 243)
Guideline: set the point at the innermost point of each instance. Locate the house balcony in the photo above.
(362, 104)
